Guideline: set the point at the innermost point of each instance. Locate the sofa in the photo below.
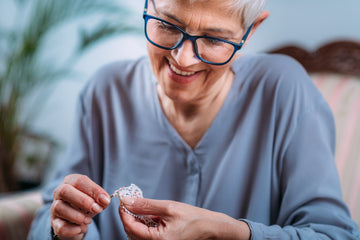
(17, 210)
(335, 69)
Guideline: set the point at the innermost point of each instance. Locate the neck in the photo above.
(191, 120)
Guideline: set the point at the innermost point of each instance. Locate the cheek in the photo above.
(157, 58)
(218, 72)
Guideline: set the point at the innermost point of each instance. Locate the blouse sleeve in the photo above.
(311, 203)
(76, 160)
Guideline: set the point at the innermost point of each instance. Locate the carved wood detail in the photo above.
(338, 57)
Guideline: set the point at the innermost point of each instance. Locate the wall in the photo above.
(307, 23)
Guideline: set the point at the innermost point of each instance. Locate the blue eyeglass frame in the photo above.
(192, 38)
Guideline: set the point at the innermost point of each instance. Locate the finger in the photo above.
(136, 229)
(66, 212)
(87, 186)
(77, 199)
(65, 229)
(84, 228)
(145, 206)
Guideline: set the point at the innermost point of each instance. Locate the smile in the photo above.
(179, 72)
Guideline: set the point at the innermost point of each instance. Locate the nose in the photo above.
(185, 54)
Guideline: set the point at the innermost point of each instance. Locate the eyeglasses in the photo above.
(212, 50)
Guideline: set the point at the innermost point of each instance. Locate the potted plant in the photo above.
(25, 68)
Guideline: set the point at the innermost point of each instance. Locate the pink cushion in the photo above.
(16, 213)
(343, 95)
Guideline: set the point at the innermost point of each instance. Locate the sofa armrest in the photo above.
(17, 211)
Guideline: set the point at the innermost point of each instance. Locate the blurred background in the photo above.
(49, 48)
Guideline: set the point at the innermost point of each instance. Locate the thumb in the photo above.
(145, 206)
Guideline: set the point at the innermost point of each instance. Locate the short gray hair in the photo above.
(248, 10)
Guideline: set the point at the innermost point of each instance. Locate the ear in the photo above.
(261, 18)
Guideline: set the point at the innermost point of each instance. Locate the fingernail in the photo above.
(87, 220)
(128, 200)
(96, 208)
(104, 199)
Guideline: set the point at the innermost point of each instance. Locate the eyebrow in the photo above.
(172, 17)
(214, 30)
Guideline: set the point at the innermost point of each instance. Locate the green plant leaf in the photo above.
(24, 69)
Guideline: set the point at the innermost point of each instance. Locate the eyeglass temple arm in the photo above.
(145, 8)
(246, 34)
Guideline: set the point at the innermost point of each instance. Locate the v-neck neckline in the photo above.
(174, 135)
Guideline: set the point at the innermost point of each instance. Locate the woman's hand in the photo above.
(76, 201)
(179, 221)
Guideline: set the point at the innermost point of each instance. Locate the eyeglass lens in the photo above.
(167, 36)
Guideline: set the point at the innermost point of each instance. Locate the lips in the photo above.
(180, 72)
(181, 76)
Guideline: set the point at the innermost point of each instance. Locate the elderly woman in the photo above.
(223, 146)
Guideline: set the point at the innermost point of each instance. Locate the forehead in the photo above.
(205, 12)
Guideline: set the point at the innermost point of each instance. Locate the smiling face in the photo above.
(182, 77)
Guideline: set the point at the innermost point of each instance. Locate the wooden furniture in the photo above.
(342, 57)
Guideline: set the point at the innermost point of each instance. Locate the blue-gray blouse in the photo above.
(267, 158)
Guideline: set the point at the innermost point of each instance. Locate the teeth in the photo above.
(177, 71)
